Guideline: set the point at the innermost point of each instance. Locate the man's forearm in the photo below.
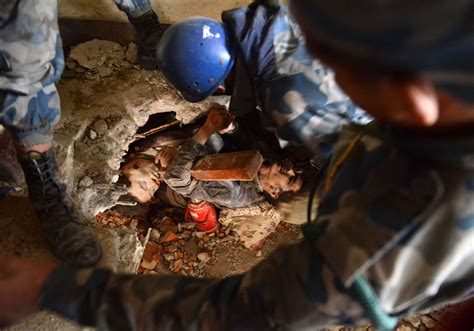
(291, 286)
(203, 135)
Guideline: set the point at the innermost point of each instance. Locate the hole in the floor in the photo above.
(175, 244)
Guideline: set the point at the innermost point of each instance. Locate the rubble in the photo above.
(99, 58)
(131, 53)
(100, 118)
(252, 224)
(174, 245)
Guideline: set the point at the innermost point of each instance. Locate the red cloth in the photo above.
(204, 214)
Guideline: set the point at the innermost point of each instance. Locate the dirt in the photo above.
(235, 258)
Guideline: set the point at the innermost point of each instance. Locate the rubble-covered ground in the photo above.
(105, 99)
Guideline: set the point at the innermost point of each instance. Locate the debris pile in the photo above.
(252, 224)
(113, 219)
(101, 58)
(174, 245)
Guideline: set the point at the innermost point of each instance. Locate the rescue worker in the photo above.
(394, 229)
(259, 57)
(31, 62)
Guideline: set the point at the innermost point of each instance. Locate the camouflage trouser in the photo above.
(31, 62)
(133, 8)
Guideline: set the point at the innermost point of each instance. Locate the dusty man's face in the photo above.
(276, 179)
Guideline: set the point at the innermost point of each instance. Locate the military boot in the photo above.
(149, 31)
(70, 237)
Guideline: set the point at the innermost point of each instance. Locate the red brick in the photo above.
(241, 166)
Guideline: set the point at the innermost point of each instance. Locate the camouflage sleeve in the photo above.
(292, 288)
(178, 175)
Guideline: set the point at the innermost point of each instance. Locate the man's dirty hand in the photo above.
(164, 156)
(21, 281)
(218, 118)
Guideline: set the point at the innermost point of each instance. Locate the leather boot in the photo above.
(149, 31)
(70, 237)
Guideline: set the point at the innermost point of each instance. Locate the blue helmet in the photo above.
(196, 55)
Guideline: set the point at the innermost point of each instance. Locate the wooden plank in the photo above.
(241, 166)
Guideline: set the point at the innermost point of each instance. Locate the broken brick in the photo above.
(203, 257)
(155, 234)
(169, 237)
(177, 266)
(241, 166)
(150, 265)
(168, 227)
(151, 249)
(167, 221)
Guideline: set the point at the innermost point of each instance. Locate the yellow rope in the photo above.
(332, 172)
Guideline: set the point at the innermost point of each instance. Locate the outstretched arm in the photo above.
(292, 288)
(178, 175)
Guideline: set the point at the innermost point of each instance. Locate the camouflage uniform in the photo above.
(297, 95)
(31, 62)
(402, 219)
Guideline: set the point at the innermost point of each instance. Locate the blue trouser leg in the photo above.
(134, 8)
(31, 118)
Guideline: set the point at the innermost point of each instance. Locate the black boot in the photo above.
(70, 237)
(149, 31)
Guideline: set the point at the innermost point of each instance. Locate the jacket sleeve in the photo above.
(292, 288)
(178, 175)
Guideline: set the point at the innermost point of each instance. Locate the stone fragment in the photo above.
(105, 71)
(428, 322)
(92, 134)
(169, 237)
(100, 126)
(168, 257)
(71, 64)
(150, 265)
(95, 53)
(151, 249)
(86, 181)
(168, 227)
(155, 235)
(131, 53)
(167, 221)
(203, 257)
(177, 266)
(200, 235)
(191, 247)
(92, 75)
(172, 248)
(187, 225)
